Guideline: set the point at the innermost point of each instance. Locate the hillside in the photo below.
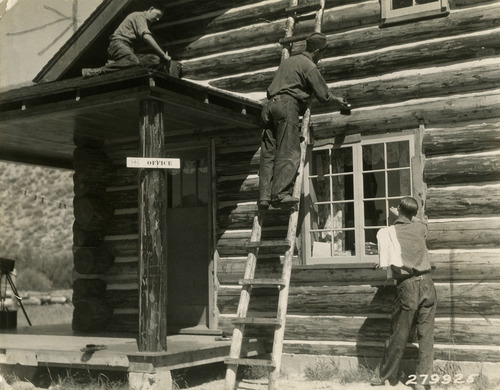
(36, 219)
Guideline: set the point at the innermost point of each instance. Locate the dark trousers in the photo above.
(280, 148)
(121, 56)
(415, 304)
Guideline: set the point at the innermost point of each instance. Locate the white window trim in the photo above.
(360, 258)
(417, 11)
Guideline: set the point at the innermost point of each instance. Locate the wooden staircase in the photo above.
(249, 281)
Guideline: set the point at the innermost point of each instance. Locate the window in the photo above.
(395, 11)
(349, 191)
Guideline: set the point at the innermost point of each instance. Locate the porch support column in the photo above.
(152, 232)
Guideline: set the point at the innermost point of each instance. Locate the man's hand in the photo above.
(166, 57)
(395, 211)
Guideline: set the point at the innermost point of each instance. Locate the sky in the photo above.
(32, 31)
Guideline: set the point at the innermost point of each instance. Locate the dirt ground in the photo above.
(298, 384)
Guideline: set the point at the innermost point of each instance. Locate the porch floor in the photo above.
(59, 346)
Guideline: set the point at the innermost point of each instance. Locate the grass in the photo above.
(327, 370)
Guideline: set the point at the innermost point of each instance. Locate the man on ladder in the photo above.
(296, 79)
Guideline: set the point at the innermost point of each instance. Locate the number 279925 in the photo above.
(457, 379)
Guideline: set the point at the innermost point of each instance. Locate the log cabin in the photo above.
(424, 83)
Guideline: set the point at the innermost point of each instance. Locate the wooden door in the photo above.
(188, 250)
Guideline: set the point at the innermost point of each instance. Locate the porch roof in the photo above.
(39, 123)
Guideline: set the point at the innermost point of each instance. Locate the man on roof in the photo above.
(132, 34)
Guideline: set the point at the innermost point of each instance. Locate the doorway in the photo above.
(188, 242)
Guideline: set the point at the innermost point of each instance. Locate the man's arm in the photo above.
(321, 91)
(148, 38)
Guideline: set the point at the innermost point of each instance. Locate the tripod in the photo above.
(6, 268)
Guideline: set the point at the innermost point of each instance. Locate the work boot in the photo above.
(376, 381)
(91, 72)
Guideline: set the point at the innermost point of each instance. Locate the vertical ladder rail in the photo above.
(244, 301)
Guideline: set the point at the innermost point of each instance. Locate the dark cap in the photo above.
(316, 41)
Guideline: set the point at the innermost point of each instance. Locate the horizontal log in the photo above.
(90, 161)
(464, 233)
(90, 315)
(240, 162)
(353, 41)
(87, 288)
(420, 55)
(92, 213)
(463, 201)
(455, 299)
(241, 217)
(118, 273)
(465, 331)
(240, 189)
(122, 298)
(88, 185)
(83, 237)
(480, 136)
(447, 110)
(232, 243)
(462, 168)
(93, 260)
(126, 246)
(126, 223)
(123, 198)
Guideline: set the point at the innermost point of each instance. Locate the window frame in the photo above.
(414, 12)
(360, 260)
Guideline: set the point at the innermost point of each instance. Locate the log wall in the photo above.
(440, 74)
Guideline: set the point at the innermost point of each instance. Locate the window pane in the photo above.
(399, 183)
(398, 154)
(426, 1)
(320, 189)
(342, 160)
(373, 157)
(320, 163)
(371, 247)
(375, 212)
(396, 4)
(343, 187)
(320, 214)
(373, 184)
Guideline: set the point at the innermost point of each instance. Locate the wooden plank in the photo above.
(251, 362)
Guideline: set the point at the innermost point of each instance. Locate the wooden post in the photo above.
(152, 232)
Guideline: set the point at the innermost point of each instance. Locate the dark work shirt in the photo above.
(411, 236)
(132, 29)
(299, 77)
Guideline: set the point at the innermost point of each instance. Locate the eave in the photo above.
(39, 123)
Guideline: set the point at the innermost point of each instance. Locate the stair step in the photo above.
(285, 244)
(278, 282)
(257, 321)
(251, 362)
